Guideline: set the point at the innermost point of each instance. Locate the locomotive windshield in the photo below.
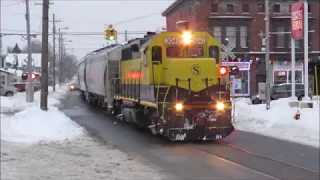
(185, 51)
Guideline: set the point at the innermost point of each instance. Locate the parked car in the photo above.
(7, 90)
(283, 91)
(21, 87)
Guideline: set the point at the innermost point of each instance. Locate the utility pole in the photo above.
(61, 60)
(59, 45)
(54, 51)
(125, 35)
(44, 56)
(267, 41)
(29, 90)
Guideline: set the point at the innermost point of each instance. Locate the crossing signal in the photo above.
(34, 76)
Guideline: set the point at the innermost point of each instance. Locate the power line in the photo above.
(91, 0)
(138, 18)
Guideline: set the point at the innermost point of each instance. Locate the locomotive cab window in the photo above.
(185, 52)
(214, 53)
(156, 53)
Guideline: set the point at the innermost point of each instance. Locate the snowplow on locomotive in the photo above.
(171, 83)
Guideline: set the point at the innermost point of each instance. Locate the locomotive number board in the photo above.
(179, 40)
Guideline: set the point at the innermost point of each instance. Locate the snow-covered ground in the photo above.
(279, 121)
(81, 159)
(18, 101)
(38, 144)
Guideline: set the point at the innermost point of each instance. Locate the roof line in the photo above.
(171, 7)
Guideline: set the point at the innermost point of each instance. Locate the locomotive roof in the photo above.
(150, 39)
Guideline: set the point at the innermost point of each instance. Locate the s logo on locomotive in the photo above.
(195, 70)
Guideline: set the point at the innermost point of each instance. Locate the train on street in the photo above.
(172, 83)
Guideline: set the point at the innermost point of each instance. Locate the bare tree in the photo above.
(70, 65)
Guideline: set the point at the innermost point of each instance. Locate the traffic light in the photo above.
(34, 76)
(111, 34)
(107, 34)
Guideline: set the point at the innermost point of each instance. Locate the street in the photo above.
(241, 156)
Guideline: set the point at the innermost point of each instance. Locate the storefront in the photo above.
(241, 81)
(282, 73)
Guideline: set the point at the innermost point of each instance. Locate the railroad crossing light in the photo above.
(34, 76)
(234, 70)
(24, 76)
(223, 70)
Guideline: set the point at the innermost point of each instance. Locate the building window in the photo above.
(245, 8)
(244, 36)
(280, 37)
(231, 35)
(297, 42)
(217, 33)
(2, 80)
(214, 8)
(261, 8)
(309, 8)
(276, 8)
(290, 8)
(229, 8)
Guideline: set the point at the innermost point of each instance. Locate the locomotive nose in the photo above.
(193, 74)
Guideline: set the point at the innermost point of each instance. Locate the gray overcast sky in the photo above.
(83, 16)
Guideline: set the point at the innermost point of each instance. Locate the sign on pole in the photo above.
(227, 51)
(297, 20)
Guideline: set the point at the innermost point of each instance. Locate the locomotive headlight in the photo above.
(186, 37)
(220, 106)
(179, 107)
(72, 87)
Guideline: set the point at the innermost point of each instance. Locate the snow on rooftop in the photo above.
(278, 122)
(31, 124)
(23, 59)
(6, 70)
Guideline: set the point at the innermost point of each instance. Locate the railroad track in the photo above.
(269, 167)
(273, 168)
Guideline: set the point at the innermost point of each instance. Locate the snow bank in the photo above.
(33, 125)
(18, 102)
(278, 122)
(30, 124)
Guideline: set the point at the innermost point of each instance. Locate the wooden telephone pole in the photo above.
(44, 56)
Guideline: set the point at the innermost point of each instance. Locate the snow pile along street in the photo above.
(81, 159)
(18, 102)
(31, 124)
(279, 121)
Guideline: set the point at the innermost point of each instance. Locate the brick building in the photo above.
(242, 23)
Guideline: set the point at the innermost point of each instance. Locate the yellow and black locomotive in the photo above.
(172, 83)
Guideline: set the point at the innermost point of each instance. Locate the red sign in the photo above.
(297, 20)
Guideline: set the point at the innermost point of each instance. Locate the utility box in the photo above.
(262, 91)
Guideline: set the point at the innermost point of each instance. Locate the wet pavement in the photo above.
(254, 156)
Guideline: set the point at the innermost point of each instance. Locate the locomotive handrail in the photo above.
(165, 99)
(157, 99)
